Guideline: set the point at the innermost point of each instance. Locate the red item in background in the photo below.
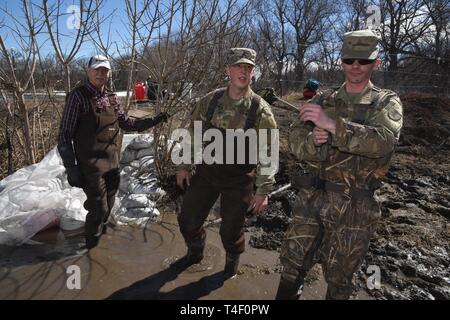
(139, 91)
(308, 93)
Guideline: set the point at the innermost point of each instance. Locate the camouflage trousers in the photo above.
(331, 229)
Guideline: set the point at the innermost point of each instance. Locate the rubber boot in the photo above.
(193, 256)
(288, 290)
(231, 266)
(338, 292)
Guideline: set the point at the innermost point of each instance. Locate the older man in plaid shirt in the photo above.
(89, 144)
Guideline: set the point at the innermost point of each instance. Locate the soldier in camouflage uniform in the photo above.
(233, 107)
(346, 139)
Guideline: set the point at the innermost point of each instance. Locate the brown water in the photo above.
(132, 263)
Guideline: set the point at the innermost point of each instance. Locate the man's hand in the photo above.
(259, 203)
(163, 116)
(315, 114)
(74, 177)
(147, 123)
(320, 136)
(268, 94)
(182, 176)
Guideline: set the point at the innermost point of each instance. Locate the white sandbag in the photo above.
(139, 212)
(127, 138)
(124, 182)
(146, 164)
(35, 197)
(129, 170)
(135, 201)
(135, 217)
(135, 164)
(140, 188)
(144, 153)
(141, 141)
(128, 155)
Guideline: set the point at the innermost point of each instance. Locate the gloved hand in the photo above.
(162, 116)
(268, 94)
(74, 177)
(147, 123)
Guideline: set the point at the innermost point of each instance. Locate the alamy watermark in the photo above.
(74, 19)
(73, 281)
(373, 21)
(263, 147)
(374, 280)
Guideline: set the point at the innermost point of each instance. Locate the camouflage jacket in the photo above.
(367, 131)
(232, 114)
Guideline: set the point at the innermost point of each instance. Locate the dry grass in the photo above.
(43, 141)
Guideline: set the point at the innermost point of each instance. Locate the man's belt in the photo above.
(308, 181)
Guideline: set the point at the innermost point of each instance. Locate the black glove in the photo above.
(163, 116)
(67, 154)
(268, 94)
(147, 123)
(74, 177)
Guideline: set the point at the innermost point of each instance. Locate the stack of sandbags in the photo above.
(37, 197)
(139, 189)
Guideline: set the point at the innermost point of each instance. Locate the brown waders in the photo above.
(97, 151)
(234, 184)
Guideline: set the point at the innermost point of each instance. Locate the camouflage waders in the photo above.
(331, 229)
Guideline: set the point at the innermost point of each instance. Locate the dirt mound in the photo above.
(426, 121)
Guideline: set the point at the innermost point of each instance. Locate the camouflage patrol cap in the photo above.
(360, 44)
(241, 55)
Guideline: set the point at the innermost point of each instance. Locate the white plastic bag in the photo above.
(35, 197)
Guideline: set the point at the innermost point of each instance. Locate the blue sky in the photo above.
(12, 16)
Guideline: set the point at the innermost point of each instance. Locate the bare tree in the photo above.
(402, 24)
(439, 13)
(82, 18)
(16, 76)
(354, 15)
(136, 13)
(272, 39)
(182, 49)
(309, 20)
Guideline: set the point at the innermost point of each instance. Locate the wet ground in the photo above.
(132, 263)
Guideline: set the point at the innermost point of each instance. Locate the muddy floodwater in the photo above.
(132, 263)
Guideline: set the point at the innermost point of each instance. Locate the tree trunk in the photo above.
(67, 78)
(29, 149)
(9, 144)
(299, 67)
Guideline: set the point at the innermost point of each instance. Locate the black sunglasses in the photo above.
(362, 62)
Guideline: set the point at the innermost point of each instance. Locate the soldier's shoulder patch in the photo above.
(394, 111)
